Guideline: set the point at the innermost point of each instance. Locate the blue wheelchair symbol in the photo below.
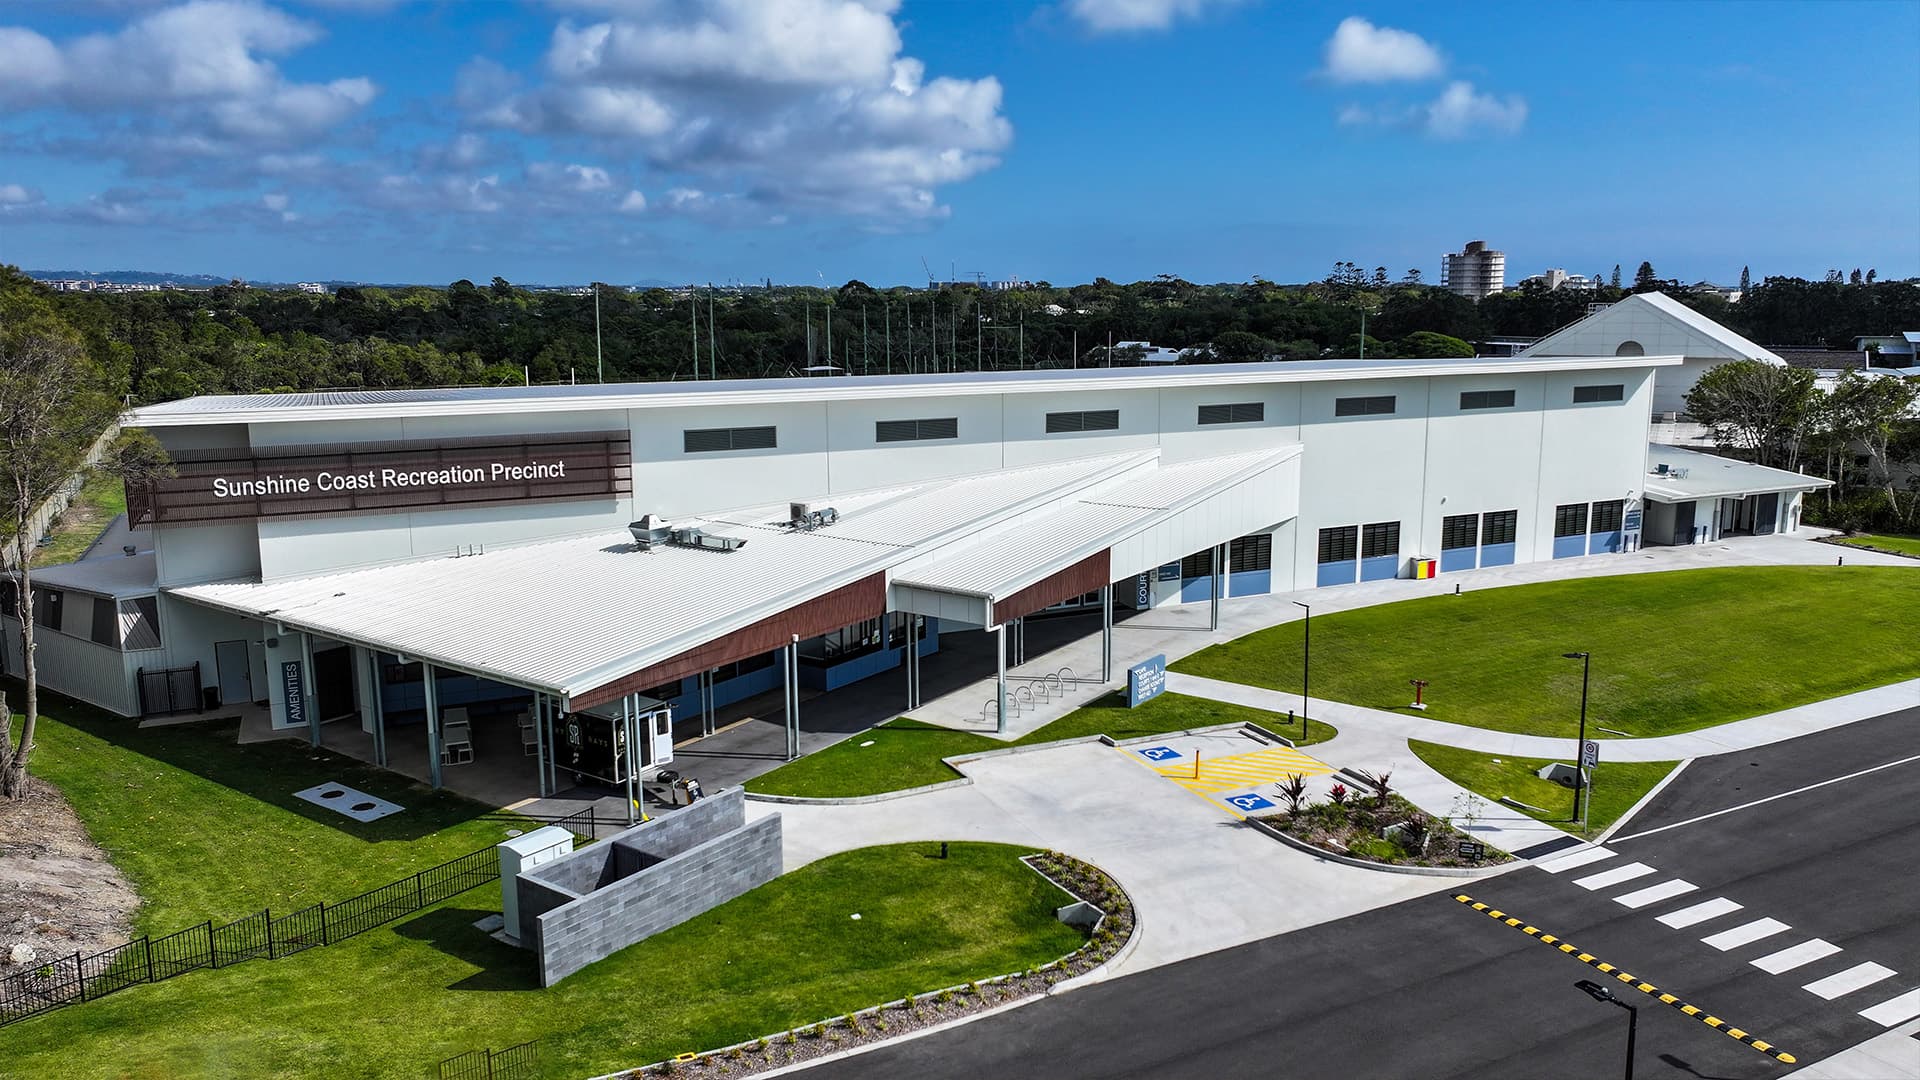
(1248, 802)
(1159, 753)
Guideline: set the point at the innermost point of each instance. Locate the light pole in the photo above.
(1306, 664)
(1600, 993)
(1580, 747)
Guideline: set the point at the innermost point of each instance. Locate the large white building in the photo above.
(383, 558)
(1654, 324)
(1475, 273)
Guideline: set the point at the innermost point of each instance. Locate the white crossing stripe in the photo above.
(1578, 858)
(1653, 894)
(1804, 953)
(1747, 934)
(1895, 1010)
(1699, 913)
(1849, 980)
(1615, 876)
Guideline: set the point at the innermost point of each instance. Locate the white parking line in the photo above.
(1895, 1010)
(1699, 913)
(1577, 859)
(1799, 955)
(1846, 982)
(1615, 876)
(1653, 894)
(1747, 934)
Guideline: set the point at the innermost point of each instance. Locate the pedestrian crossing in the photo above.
(1859, 978)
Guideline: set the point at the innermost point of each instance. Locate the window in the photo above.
(1240, 412)
(916, 430)
(1197, 565)
(1092, 420)
(708, 440)
(1381, 538)
(140, 623)
(1486, 399)
(1609, 392)
(106, 622)
(1251, 553)
(1608, 515)
(46, 607)
(1459, 531)
(9, 598)
(1364, 406)
(1338, 545)
(1570, 520)
(401, 674)
(1499, 527)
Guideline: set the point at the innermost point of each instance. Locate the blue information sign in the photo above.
(293, 692)
(1170, 572)
(1146, 680)
(1249, 803)
(1142, 592)
(1160, 753)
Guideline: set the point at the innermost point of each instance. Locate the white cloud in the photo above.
(274, 200)
(633, 203)
(1461, 111)
(18, 195)
(1110, 16)
(801, 102)
(577, 179)
(1362, 52)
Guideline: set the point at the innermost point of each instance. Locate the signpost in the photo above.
(1589, 759)
(1472, 850)
(1146, 680)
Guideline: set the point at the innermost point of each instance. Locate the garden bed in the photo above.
(1352, 825)
(1083, 881)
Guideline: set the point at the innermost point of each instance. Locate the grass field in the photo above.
(396, 1000)
(100, 499)
(1905, 545)
(1616, 787)
(907, 753)
(205, 828)
(1672, 652)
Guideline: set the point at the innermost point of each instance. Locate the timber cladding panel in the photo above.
(301, 481)
(1082, 577)
(844, 606)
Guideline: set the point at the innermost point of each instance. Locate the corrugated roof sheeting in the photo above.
(1709, 476)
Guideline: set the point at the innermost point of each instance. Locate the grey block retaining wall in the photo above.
(649, 878)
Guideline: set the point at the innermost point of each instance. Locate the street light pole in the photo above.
(1306, 665)
(1600, 993)
(1580, 747)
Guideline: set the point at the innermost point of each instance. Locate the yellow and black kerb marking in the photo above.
(1647, 988)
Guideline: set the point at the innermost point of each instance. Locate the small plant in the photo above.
(946, 997)
(1339, 795)
(819, 1030)
(792, 1037)
(666, 1067)
(908, 1001)
(1294, 790)
(761, 1045)
(880, 1024)
(738, 1053)
(973, 988)
(853, 1024)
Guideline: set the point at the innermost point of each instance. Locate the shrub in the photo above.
(1338, 794)
(1294, 790)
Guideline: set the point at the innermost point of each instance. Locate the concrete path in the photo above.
(1200, 880)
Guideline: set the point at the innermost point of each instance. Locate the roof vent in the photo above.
(650, 530)
(695, 538)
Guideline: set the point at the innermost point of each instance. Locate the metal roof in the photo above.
(570, 615)
(1709, 476)
(467, 401)
(1639, 306)
(116, 576)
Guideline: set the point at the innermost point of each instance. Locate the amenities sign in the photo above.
(225, 485)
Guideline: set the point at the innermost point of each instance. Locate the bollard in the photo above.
(1456, 588)
(943, 849)
(1196, 763)
(1841, 561)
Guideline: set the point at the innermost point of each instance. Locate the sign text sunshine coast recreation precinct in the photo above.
(369, 479)
(295, 481)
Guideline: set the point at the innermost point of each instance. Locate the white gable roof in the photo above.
(1660, 325)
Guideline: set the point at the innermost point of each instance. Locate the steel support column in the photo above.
(1000, 676)
(627, 704)
(793, 666)
(539, 744)
(1106, 633)
(1217, 582)
(307, 696)
(432, 693)
(379, 711)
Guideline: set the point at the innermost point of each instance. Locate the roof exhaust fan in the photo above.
(803, 517)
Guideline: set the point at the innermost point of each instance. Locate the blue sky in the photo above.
(808, 140)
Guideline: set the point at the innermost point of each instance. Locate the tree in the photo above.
(1615, 279)
(1426, 344)
(1854, 278)
(1644, 279)
(1746, 281)
(1871, 274)
(50, 415)
(1380, 277)
(1873, 410)
(1413, 276)
(1757, 407)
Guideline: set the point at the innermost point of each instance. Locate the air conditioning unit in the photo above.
(696, 538)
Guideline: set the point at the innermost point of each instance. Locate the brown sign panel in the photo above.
(300, 481)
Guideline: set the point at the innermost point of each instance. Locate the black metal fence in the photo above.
(164, 691)
(509, 1064)
(154, 959)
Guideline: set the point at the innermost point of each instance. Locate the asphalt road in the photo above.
(1432, 988)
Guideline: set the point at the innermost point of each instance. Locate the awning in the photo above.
(1677, 475)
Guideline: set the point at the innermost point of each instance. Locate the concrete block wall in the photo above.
(686, 863)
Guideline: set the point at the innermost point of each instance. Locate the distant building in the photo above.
(1730, 293)
(1891, 350)
(1475, 272)
(312, 287)
(1556, 279)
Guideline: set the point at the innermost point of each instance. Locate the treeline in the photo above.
(232, 339)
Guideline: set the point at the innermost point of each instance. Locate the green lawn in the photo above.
(205, 828)
(396, 1000)
(1672, 652)
(907, 753)
(1616, 787)
(1905, 545)
(100, 499)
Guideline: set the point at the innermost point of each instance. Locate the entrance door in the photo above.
(1766, 511)
(1683, 523)
(235, 663)
(660, 739)
(333, 683)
